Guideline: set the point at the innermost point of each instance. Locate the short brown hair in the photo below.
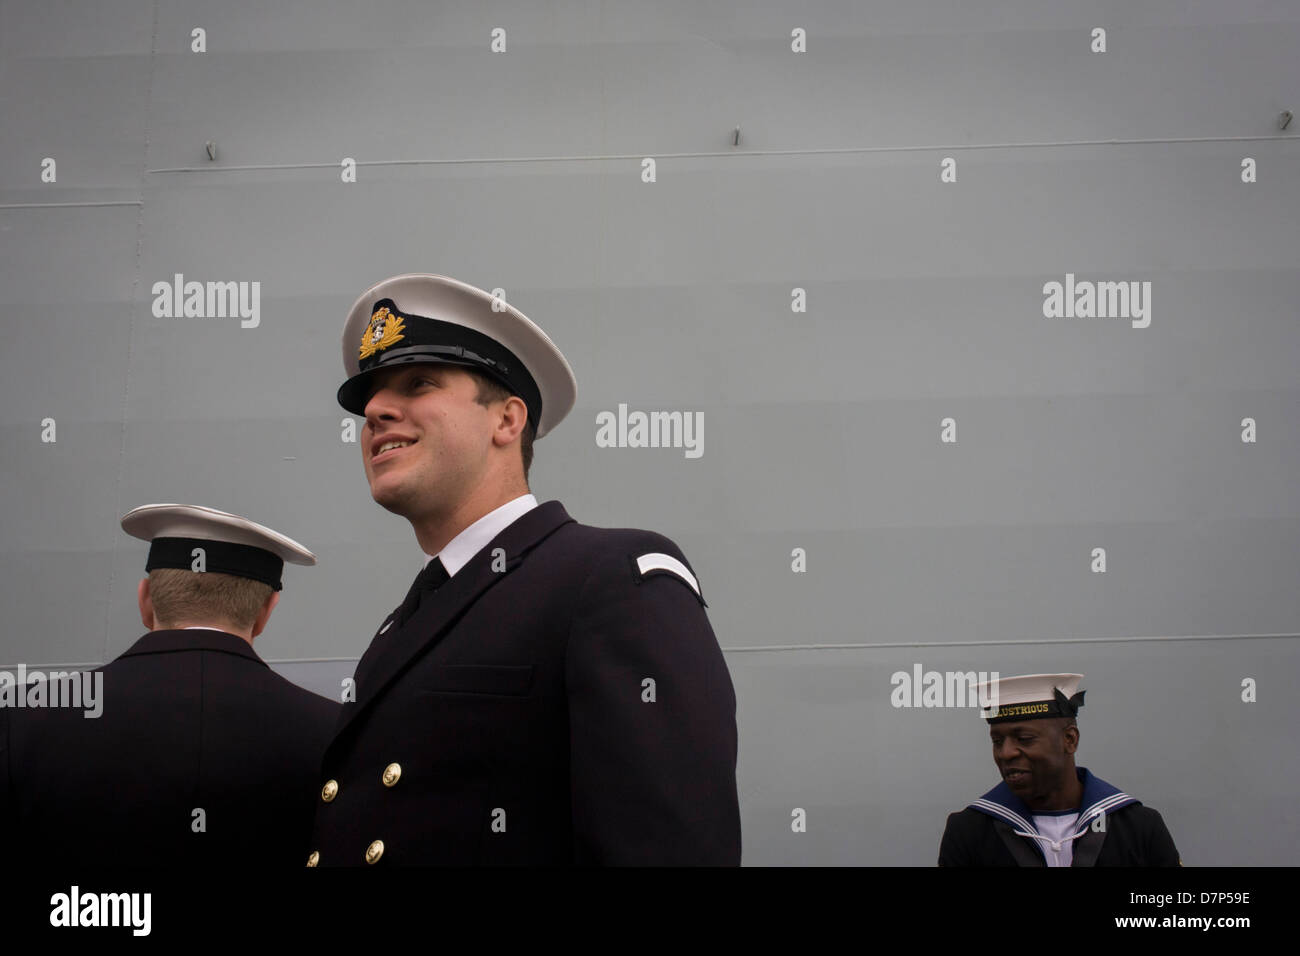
(180, 595)
(489, 391)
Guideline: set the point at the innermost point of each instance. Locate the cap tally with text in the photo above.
(1030, 697)
(230, 544)
(426, 318)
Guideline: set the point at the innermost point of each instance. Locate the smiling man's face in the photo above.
(1034, 756)
(447, 436)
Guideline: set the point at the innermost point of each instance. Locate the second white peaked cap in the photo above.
(436, 310)
(195, 521)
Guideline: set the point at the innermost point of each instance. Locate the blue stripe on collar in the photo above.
(1099, 798)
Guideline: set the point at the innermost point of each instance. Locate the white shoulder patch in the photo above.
(666, 562)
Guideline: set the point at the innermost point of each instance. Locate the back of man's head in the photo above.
(205, 597)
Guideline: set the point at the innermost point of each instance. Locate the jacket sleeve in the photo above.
(952, 848)
(1160, 849)
(652, 721)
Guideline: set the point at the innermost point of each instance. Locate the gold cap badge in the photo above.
(384, 329)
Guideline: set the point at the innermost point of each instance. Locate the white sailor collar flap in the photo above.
(1099, 798)
(656, 562)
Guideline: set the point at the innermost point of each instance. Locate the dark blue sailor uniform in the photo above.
(192, 719)
(561, 701)
(998, 830)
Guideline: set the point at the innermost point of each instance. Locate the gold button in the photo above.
(392, 774)
(329, 791)
(314, 858)
(375, 851)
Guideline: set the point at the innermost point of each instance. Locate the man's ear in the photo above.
(515, 414)
(259, 623)
(145, 600)
(1070, 735)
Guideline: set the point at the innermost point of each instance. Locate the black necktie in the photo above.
(430, 579)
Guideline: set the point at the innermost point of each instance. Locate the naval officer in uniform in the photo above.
(201, 755)
(547, 692)
(1046, 811)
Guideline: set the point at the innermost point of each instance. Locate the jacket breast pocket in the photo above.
(501, 680)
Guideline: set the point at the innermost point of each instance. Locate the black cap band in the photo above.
(221, 557)
(423, 339)
(1059, 706)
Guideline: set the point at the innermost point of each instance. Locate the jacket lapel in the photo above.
(1087, 848)
(440, 610)
(1010, 814)
(1024, 851)
(1099, 799)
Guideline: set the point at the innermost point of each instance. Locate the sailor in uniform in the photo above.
(199, 755)
(1046, 811)
(548, 692)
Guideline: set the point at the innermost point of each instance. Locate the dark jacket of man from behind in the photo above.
(202, 756)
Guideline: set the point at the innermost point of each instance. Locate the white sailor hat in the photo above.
(1030, 697)
(231, 544)
(419, 317)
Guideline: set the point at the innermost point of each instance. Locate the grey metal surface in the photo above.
(821, 429)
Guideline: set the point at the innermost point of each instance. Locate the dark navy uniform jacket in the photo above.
(995, 831)
(192, 719)
(551, 704)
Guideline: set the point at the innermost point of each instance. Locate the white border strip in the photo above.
(666, 562)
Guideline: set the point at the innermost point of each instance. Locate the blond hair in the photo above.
(180, 595)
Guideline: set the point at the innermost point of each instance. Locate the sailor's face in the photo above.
(445, 434)
(1031, 756)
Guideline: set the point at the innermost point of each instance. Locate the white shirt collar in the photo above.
(476, 537)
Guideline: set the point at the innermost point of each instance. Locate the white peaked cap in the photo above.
(195, 521)
(437, 319)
